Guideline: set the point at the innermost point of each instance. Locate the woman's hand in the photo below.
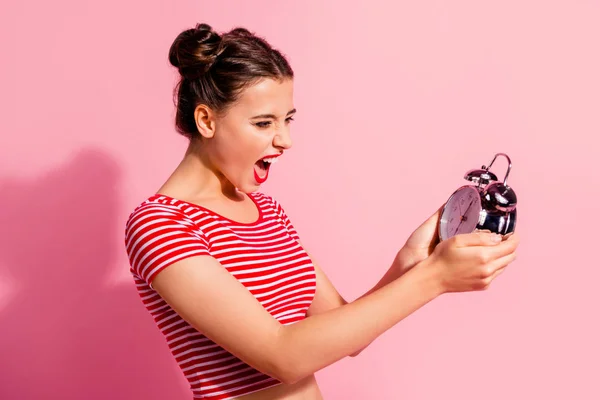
(471, 261)
(419, 245)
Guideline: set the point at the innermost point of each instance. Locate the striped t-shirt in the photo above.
(163, 230)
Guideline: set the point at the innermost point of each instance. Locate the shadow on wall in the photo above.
(65, 334)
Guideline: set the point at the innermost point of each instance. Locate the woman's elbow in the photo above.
(287, 375)
(289, 372)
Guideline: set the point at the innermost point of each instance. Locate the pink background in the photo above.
(396, 103)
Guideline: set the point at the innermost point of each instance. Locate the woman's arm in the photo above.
(327, 297)
(325, 338)
(205, 294)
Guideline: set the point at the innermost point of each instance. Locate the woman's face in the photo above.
(255, 127)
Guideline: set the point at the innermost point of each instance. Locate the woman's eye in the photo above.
(266, 124)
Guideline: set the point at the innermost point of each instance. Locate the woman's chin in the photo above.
(251, 184)
(248, 187)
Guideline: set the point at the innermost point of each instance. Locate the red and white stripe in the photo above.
(265, 256)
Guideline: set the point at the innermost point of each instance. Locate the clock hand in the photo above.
(461, 217)
(457, 226)
(471, 203)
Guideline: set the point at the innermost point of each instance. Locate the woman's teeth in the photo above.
(270, 160)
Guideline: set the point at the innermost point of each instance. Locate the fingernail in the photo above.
(496, 237)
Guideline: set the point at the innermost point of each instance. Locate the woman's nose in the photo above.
(283, 139)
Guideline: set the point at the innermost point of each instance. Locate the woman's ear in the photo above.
(205, 121)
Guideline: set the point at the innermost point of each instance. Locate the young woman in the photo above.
(219, 265)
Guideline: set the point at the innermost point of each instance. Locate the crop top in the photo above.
(265, 256)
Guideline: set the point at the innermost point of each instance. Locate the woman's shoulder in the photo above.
(268, 201)
(156, 202)
(273, 204)
(264, 197)
(260, 195)
(155, 207)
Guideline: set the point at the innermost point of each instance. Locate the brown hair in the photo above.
(216, 68)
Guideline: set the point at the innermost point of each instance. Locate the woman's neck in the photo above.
(195, 178)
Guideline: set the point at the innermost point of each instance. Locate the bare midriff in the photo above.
(306, 389)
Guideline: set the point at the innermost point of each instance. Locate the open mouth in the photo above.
(262, 166)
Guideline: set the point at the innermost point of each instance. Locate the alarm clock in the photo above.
(486, 204)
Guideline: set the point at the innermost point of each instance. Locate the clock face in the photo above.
(461, 212)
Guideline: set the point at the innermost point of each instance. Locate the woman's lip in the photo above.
(259, 179)
(271, 156)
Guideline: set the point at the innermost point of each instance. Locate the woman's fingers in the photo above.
(504, 248)
(498, 266)
(477, 238)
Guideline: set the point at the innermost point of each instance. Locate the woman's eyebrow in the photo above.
(272, 115)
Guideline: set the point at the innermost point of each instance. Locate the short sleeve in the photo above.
(158, 235)
(285, 219)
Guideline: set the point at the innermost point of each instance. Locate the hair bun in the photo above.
(241, 32)
(194, 51)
